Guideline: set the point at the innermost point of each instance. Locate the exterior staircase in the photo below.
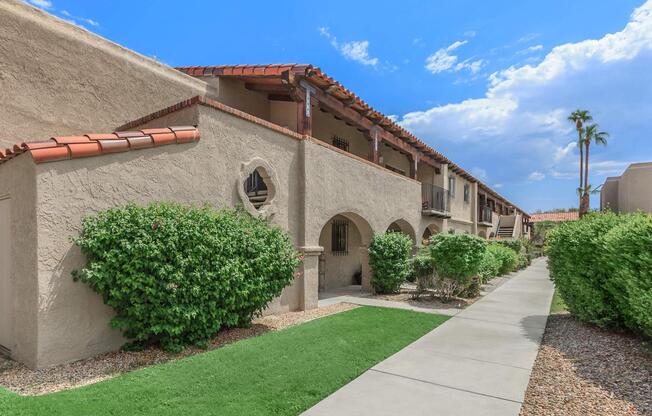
(505, 232)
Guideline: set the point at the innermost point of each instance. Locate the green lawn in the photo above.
(557, 305)
(280, 373)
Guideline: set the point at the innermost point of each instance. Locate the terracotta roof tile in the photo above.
(72, 147)
(554, 216)
(320, 79)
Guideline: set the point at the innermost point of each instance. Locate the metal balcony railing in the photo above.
(435, 198)
(485, 214)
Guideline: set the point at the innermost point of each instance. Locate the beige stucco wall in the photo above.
(284, 114)
(609, 194)
(461, 211)
(325, 126)
(18, 183)
(635, 189)
(73, 322)
(233, 93)
(59, 79)
(394, 158)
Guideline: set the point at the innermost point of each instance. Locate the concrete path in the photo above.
(476, 363)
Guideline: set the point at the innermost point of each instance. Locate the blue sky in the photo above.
(489, 84)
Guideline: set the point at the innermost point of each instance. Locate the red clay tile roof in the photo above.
(337, 90)
(554, 216)
(71, 147)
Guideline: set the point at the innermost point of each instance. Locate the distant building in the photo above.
(629, 192)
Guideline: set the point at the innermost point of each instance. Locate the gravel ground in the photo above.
(22, 380)
(583, 370)
(434, 303)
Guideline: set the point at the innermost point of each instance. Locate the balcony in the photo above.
(485, 216)
(435, 201)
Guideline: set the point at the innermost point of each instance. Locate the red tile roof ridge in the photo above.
(72, 147)
(554, 216)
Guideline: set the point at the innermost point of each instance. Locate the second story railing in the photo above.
(435, 198)
(485, 214)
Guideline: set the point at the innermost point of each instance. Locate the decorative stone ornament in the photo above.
(267, 207)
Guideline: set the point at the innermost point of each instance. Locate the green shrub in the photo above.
(515, 245)
(627, 263)
(176, 274)
(489, 266)
(575, 250)
(522, 261)
(456, 258)
(506, 256)
(389, 256)
(424, 273)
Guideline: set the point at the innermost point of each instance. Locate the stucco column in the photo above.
(366, 269)
(309, 277)
(474, 208)
(444, 173)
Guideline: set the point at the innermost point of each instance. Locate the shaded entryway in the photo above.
(402, 226)
(430, 230)
(344, 261)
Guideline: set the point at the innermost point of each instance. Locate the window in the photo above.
(451, 186)
(339, 241)
(467, 192)
(340, 143)
(256, 189)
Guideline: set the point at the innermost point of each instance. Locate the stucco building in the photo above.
(629, 192)
(286, 141)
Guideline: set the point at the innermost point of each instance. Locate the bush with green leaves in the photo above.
(627, 264)
(456, 258)
(515, 245)
(489, 266)
(505, 256)
(423, 271)
(575, 251)
(175, 275)
(522, 261)
(389, 258)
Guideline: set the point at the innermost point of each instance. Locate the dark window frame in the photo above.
(340, 237)
(340, 142)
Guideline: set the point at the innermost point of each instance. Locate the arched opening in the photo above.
(482, 234)
(402, 226)
(344, 261)
(430, 230)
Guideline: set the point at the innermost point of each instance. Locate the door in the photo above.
(6, 295)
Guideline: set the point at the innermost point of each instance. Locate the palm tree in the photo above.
(593, 134)
(579, 117)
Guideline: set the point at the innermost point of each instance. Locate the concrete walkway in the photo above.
(476, 363)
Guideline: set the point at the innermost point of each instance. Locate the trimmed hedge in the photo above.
(176, 274)
(389, 258)
(601, 266)
(627, 263)
(457, 256)
(489, 266)
(506, 257)
(515, 245)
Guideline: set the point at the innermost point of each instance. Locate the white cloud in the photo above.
(527, 38)
(520, 122)
(359, 51)
(469, 33)
(497, 185)
(356, 50)
(442, 60)
(78, 19)
(45, 4)
(536, 176)
(530, 49)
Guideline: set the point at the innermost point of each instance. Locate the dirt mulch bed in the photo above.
(583, 370)
(426, 301)
(22, 380)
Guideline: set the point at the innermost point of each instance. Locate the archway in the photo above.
(482, 234)
(402, 226)
(430, 230)
(344, 261)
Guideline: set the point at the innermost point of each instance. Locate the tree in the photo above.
(593, 134)
(579, 117)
